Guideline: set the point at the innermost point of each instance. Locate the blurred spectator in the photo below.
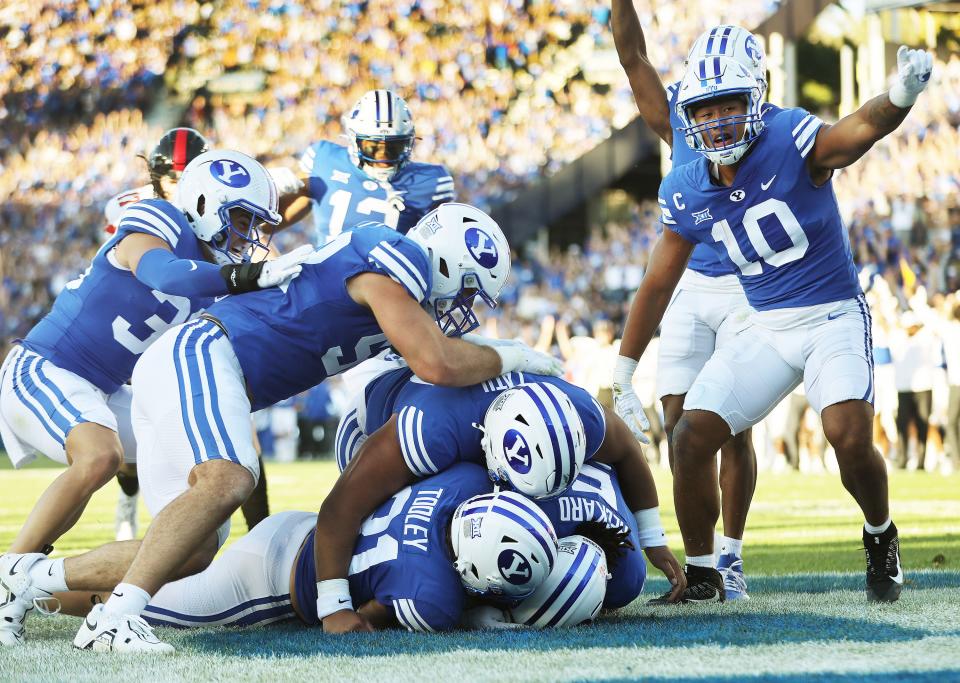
(916, 356)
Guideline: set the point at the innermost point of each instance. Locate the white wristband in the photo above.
(333, 595)
(624, 369)
(901, 97)
(650, 528)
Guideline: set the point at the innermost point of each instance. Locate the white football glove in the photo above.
(286, 180)
(626, 403)
(521, 357)
(913, 75)
(284, 267)
(487, 617)
(515, 355)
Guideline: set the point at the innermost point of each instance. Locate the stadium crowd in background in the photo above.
(499, 103)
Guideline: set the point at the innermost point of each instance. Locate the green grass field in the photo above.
(807, 617)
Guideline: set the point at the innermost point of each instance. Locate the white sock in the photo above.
(127, 599)
(48, 575)
(700, 560)
(731, 546)
(877, 530)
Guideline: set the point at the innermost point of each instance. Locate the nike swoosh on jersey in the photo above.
(764, 186)
(220, 298)
(193, 265)
(835, 315)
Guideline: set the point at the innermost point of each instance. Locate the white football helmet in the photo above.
(574, 591)
(380, 134)
(504, 546)
(533, 440)
(470, 257)
(216, 182)
(735, 42)
(715, 78)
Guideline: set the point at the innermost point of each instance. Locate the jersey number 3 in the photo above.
(751, 223)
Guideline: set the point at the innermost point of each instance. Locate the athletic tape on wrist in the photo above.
(650, 528)
(333, 595)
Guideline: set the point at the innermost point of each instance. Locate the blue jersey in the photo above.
(703, 259)
(344, 196)
(102, 321)
(783, 234)
(435, 424)
(291, 338)
(595, 496)
(402, 558)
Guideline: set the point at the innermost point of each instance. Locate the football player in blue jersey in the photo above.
(406, 567)
(195, 387)
(761, 197)
(709, 306)
(62, 386)
(594, 507)
(372, 177)
(533, 433)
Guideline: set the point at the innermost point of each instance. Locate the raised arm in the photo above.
(852, 136)
(648, 90)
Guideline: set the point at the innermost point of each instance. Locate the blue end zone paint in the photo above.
(822, 583)
(660, 630)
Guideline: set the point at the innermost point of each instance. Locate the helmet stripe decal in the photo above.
(724, 40)
(555, 595)
(550, 390)
(578, 591)
(376, 100)
(180, 150)
(551, 429)
(389, 108)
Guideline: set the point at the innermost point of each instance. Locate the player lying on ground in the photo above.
(536, 431)
(405, 568)
(354, 297)
(762, 198)
(63, 387)
(708, 307)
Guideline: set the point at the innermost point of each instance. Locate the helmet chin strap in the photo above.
(382, 174)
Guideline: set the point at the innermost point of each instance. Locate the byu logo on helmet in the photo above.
(516, 451)
(514, 567)
(481, 247)
(230, 173)
(753, 49)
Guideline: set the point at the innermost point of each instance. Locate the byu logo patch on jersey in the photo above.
(701, 216)
(737, 196)
(516, 450)
(230, 173)
(514, 567)
(481, 247)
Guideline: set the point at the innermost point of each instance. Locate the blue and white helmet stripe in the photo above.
(574, 591)
(504, 546)
(534, 439)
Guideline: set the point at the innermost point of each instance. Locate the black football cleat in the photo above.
(884, 573)
(704, 584)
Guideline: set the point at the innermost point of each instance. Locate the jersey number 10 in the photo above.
(751, 222)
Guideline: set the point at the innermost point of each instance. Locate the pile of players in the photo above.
(181, 303)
